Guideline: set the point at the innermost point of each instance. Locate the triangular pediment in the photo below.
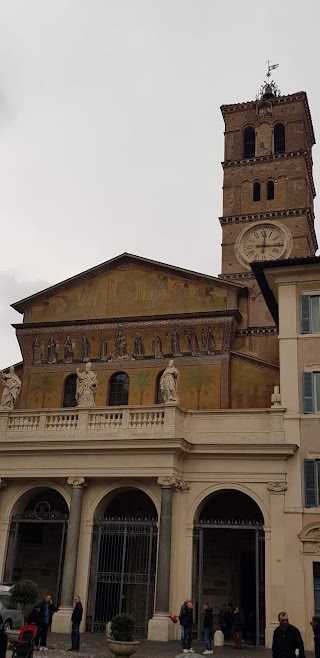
(130, 286)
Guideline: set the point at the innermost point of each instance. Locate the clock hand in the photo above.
(274, 244)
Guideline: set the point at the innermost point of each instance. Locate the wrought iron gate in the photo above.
(122, 578)
(257, 528)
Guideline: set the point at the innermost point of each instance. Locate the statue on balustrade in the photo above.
(53, 350)
(69, 346)
(138, 346)
(208, 341)
(36, 351)
(85, 349)
(157, 346)
(12, 386)
(169, 383)
(87, 382)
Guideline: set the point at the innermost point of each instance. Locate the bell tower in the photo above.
(268, 187)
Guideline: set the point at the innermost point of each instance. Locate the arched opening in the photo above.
(119, 389)
(37, 540)
(69, 392)
(249, 142)
(270, 189)
(229, 560)
(158, 396)
(256, 191)
(279, 138)
(123, 562)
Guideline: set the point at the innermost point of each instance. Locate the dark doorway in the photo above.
(229, 560)
(124, 562)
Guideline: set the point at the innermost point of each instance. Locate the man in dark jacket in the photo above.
(35, 619)
(287, 640)
(47, 609)
(76, 620)
(315, 623)
(186, 620)
(3, 640)
(207, 625)
(237, 626)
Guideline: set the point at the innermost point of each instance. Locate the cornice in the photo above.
(272, 158)
(243, 451)
(253, 361)
(256, 331)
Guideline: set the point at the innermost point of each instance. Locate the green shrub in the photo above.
(122, 628)
(25, 592)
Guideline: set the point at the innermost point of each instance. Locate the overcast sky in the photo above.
(111, 136)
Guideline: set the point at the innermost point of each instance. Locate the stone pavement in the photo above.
(95, 646)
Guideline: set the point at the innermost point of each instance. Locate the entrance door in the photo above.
(229, 561)
(123, 580)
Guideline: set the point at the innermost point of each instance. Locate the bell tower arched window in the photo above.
(270, 189)
(69, 393)
(256, 192)
(279, 138)
(249, 142)
(119, 389)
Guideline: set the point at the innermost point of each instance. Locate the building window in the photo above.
(311, 482)
(311, 392)
(310, 314)
(119, 389)
(158, 396)
(69, 394)
(249, 142)
(279, 138)
(316, 587)
(270, 189)
(256, 192)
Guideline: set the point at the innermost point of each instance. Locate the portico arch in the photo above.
(229, 557)
(123, 560)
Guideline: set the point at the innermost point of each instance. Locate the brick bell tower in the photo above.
(268, 186)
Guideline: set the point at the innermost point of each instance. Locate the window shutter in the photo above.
(308, 404)
(305, 314)
(310, 483)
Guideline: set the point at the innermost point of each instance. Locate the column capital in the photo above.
(277, 487)
(171, 482)
(3, 483)
(76, 481)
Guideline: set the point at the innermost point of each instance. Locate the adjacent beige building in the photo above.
(135, 504)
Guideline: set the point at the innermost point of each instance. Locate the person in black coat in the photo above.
(3, 640)
(76, 619)
(186, 620)
(35, 619)
(237, 626)
(286, 639)
(207, 625)
(47, 610)
(315, 623)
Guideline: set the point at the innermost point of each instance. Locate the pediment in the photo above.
(129, 286)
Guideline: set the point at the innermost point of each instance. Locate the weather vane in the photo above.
(269, 87)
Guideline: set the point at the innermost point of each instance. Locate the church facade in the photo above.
(135, 503)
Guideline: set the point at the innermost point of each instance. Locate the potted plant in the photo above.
(25, 592)
(121, 642)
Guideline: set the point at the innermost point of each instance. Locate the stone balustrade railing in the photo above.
(262, 426)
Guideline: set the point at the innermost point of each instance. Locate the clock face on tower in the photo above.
(263, 241)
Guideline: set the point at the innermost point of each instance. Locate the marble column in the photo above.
(61, 620)
(160, 626)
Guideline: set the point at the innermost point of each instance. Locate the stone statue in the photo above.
(69, 346)
(36, 351)
(175, 343)
(157, 346)
(53, 350)
(138, 346)
(42, 351)
(193, 345)
(208, 342)
(87, 382)
(103, 349)
(12, 386)
(169, 383)
(120, 346)
(85, 349)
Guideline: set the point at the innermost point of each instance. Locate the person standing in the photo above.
(315, 623)
(229, 621)
(238, 624)
(3, 640)
(47, 610)
(207, 625)
(186, 620)
(35, 619)
(223, 620)
(76, 619)
(287, 641)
